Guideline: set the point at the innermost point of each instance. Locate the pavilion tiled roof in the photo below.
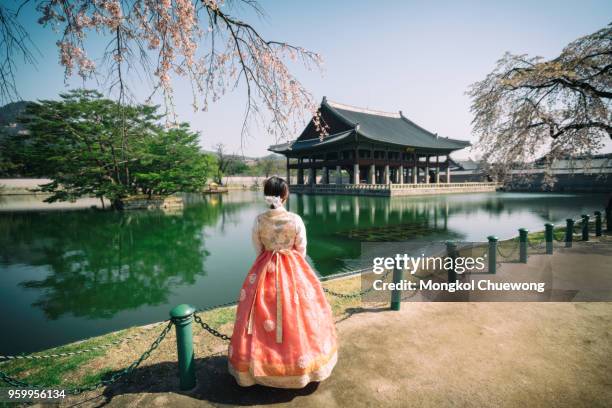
(310, 143)
(365, 124)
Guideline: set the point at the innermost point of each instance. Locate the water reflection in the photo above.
(88, 272)
(337, 225)
(100, 263)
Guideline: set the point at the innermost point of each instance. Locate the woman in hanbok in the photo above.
(284, 335)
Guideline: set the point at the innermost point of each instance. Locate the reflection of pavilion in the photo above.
(382, 153)
(364, 212)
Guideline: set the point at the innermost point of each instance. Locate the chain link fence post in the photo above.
(492, 253)
(396, 294)
(523, 242)
(569, 232)
(182, 317)
(549, 234)
(451, 251)
(585, 227)
(598, 223)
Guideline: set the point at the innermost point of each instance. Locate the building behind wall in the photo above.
(578, 174)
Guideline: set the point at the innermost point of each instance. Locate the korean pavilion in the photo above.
(375, 148)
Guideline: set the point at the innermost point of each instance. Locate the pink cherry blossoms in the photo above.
(196, 40)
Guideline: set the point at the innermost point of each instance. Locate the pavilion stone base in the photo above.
(394, 190)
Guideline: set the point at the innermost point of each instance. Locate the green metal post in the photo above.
(598, 223)
(492, 253)
(182, 316)
(549, 237)
(609, 218)
(523, 244)
(569, 232)
(585, 227)
(396, 295)
(451, 251)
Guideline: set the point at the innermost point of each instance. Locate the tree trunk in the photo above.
(117, 204)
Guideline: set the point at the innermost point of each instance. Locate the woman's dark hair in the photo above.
(276, 186)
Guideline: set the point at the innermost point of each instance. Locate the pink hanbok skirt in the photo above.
(284, 334)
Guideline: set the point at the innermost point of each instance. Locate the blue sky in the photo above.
(418, 57)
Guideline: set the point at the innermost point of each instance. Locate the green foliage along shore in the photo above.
(92, 146)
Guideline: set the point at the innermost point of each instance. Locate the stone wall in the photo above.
(393, 190)
(565, 183)
(18, 186)
(153, 203)
(244, 182)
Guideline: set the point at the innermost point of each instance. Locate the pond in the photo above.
(68, 275)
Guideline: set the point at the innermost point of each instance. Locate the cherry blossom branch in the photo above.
(196, 40)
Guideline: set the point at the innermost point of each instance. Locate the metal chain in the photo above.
(354, 294)
(536, 245)
(102, 383)
(209, 329)
(512, 252)
(87, 350)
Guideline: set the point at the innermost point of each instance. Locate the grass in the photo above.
(90, 367)
(56, 371)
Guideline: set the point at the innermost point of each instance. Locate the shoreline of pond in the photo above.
(107, 353)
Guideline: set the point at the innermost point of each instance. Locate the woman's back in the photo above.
(284, 334)
(278, 229)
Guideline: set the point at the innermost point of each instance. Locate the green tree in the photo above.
(92, 146)
(172, 162)
(237, 167)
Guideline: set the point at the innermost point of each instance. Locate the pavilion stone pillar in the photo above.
(372, 174)
(338, 175)
(387, 180)
(288, 172)
(325, 176)
(448, 178)
(427, 169)
(355, 173)
(300, 176)
(401, 175)
(415, 170)
(437, 169)
(311, 176)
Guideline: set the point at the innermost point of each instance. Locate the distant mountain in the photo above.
(9, 115)
(11, 111)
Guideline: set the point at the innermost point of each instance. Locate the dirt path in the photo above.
(432, 355)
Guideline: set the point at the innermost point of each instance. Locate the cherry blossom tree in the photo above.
(164, 41)
(529, 107)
